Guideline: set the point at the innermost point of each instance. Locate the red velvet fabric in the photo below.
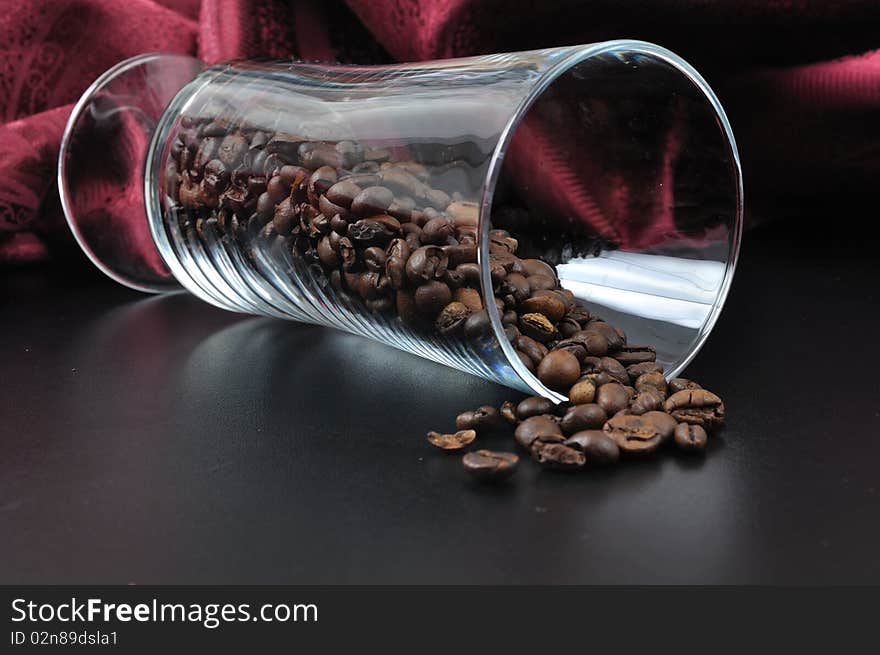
(800, 79)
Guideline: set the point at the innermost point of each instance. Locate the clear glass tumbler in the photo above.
(446, 208)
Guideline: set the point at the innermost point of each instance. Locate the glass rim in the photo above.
(578, 55)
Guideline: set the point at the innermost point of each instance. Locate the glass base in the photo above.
(101, 166)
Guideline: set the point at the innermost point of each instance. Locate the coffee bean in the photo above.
(295, 178)
(374, 259)
(343, 193)
(455, 441)
(607, 365)
(207, 150)
(331, 210)
(315, 155)
(553, 455)
(432, 297)
(612, 338)
(470, 298)
(535, 350)
(284, 217)
(560, 409)
(485, 418)
(691, 438)
(425, 264)
(453, 278)
(698, 407)
(538, 327)
(509, 317)
(265, 205)
(377, 155)
(273, 164)
(378, 229)
(461, 254)
(489, 465)
(403, 209)
(508, 412)
(573, 347)
(372, 200)
(347, 253)
(232, 149)
(511, 332)
(582, 392)
(568, 326)
(559, 370)
(517, 286)
(469, 272)
(534, 427)
(437, 231)
(463, 213)
(320, 181)
(537, 267)
(589, 416)
(364, 180)
(350, 153)
(664, 422)
(525, 359)
(338, 224)
(681, 384)
(477, 325)
(466, 234)
(598, 448)
(436, 198)
(635, 370)
(639, 434)
(541, 283)
(277, 190)
(594, 343)
(365, 167)
(256, 185)
(628, 355)
(216, 177)
(379, 305)
(648, 400)
(534, 406)
(326, 253)
(401, 182)
(551, 307)
(613, 398)
(397, 254)
(451, 318)
(504, 260)
(368, 286)
(496, 272)
(651, 381)
(406, 307)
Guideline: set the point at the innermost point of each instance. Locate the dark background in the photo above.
(160, 440)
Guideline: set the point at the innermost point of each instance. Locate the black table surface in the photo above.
(160, 440)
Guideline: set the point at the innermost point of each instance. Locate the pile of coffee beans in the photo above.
(377, 230)
(380, 231)
(602, 421)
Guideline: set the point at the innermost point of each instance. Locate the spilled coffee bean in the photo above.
(455, 441)
(696, 406)
(483, 418)
(689, 437)
(598, 448)
(556, 455)
(490, 465)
